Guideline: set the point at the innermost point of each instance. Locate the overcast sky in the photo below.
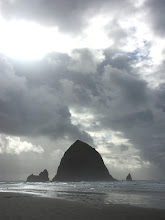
(92, 70)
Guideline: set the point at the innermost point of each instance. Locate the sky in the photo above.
(92, 70)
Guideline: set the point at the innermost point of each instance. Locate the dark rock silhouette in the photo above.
(129, 178)
(81, 162)
(43, 177)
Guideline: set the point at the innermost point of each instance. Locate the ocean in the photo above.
(149, 194)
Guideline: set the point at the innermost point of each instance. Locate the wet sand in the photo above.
(22, 206)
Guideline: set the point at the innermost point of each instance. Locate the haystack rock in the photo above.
(81, 162)
(43, 177)
(129, 178)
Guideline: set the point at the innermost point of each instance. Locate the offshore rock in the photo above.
(43, 177)
(129, 178)
(81, 162)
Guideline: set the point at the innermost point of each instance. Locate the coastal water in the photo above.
(150, 194)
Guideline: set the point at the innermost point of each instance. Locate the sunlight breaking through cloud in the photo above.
(14, 145)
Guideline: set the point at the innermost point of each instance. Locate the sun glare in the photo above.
(28, 40)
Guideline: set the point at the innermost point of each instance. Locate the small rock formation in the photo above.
(129, 178)
(81, 162)
(43, 177)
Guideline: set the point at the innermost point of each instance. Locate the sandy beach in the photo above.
(22, 206)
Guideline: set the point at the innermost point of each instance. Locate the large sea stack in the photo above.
(43, 177)
(81, 162)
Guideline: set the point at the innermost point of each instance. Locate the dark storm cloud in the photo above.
(121, 100)
(117, 59)
(42, 94)
(33, 108)
(68, 15)
(156, 15)
(161, 94)
(128, 85)
(134, 111)
(123, 147)
(37, 97)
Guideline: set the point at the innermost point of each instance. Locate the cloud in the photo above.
(156, 16)
(70, 16)
(117, 33)
(31, 109)
(105, 104)
(117, 98)
(13, 145)
(112, 98)
(7, 76)
(85, 61)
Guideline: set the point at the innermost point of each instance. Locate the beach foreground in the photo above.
(23, 206)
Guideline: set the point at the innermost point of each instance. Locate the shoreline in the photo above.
(25, 206)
